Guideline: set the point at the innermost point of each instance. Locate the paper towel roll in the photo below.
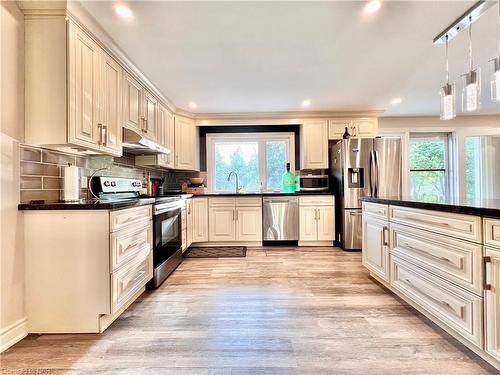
(71, 183)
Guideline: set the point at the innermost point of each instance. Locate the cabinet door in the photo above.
(132, 104)
(326, 224)
(365, 127)
(221, 224)
(149, 113)
(308, 224)
(189, 224)
(185, 144)
(336, 128)
(199, 213)
(249, 223)
(111, 101)
(83, 128)
(492, 303)
(375, 248)
(169, 139)
(314, 139)
(161, 129)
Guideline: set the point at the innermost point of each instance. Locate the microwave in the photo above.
(314, 183)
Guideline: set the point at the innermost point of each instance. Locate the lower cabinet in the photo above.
(316, 220)
(232, 219)
(492, 302)
(375, 253)
(198, 220)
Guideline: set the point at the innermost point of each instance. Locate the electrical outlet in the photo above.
(84, 181)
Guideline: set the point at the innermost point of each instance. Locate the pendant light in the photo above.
(495, 77)
(447, 93)
(471, 93)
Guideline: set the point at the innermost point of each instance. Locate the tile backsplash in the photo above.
(41, 172)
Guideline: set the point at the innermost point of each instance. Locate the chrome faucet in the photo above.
(237, 180)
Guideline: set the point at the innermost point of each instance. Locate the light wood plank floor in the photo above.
(277, 311)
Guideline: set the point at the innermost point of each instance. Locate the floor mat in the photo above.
(216, 252)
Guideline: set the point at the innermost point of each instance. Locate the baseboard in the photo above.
(13, 334)
(316, 243)
(228, 243)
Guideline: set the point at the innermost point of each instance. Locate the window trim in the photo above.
(261, 138)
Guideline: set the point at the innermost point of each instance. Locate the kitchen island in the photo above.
(444, 260)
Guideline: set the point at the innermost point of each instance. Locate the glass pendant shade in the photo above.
(471, 93)
(495, 80)
(448, 110)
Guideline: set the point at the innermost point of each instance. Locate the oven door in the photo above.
(167, 231)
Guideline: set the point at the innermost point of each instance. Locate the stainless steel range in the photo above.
(167, 227)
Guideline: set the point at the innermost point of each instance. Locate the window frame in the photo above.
(448, 170)
(261, 138)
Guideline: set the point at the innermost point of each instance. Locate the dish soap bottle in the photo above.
(288, 181)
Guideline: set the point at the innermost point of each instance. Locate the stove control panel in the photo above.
(119, 185)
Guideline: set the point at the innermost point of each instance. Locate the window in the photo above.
(473, 178)
(259, 159)
(429, 166)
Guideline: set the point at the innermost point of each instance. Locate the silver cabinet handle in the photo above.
(385, 231)
(319, 214)
(143, 122)
(145, 125)
(99, 128)
(105, 135)
(315, 214)
(487, 285)
(237, 216)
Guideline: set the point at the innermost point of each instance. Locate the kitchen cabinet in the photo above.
(168, 138)
(314, 144)
(149, 110)
(189, 223)
(357, 127)
(199, 219)
(111, 104)
(492, 302)
(186, 144)
(235, 219)
(132, 103)
(316, 220)
(375, 248)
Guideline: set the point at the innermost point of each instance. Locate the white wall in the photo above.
(460, 127)
(13, 325)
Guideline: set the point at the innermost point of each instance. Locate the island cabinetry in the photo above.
(375, 255)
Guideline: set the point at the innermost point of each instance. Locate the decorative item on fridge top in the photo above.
(471, 93)
(289, 183)
(346, 134)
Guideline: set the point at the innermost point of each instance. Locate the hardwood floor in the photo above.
(277, 311)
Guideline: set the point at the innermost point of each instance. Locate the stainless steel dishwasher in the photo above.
(280, 218)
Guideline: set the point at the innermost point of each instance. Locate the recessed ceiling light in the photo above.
(306, 103)
(192, 105)
(123, 11)
(372, 6)
(396, 101)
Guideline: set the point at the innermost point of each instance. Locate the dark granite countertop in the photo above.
(85, 205)
(485, 207)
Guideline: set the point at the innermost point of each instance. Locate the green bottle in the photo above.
(288, 181)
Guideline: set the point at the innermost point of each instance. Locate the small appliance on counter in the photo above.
(195, 186)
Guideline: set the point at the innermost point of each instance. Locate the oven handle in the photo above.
(162, 210)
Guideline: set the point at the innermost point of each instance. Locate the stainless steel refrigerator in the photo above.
(361, 167)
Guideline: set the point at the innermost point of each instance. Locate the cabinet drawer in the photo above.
(455, 260)
(316, 200)
(216, 202)
(127, 243)
(460, 310)
(376, 210)
(249, 201)
(130, 216)
(467, 227)
(491, 232)
(127, 281)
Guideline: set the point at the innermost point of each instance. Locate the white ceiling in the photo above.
(270, 56)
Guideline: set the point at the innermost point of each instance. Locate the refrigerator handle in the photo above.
(375, 154)
(372, 172)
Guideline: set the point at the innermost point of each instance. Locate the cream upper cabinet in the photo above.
(132, 103)
(149, 110)
(222, 224)
(492, 302)
(375, 248)
(249, 223)
(357, 127)
(186, 142)
(199, 219)
(84, 111)
(365, 127)
(314, 144)
(111, 102)
(168, 139)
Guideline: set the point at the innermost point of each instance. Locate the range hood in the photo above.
(135, 143)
